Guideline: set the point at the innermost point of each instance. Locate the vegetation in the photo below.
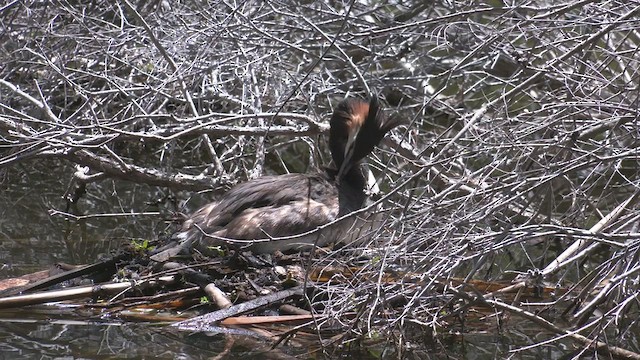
(518, 164)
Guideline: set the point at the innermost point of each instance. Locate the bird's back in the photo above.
(253, 213)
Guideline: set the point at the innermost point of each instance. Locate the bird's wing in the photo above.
(270, 206)
(266, 222)
(269, 194)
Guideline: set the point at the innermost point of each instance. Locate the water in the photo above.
(45, 339)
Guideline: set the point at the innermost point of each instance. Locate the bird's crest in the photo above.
(356, 128)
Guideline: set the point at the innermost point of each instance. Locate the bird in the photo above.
(274, 212)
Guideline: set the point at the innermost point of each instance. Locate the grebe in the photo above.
(255, 214)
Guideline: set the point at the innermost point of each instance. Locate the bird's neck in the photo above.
(351, 188)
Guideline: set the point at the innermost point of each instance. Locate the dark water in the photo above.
(100, 340)
(32, 239)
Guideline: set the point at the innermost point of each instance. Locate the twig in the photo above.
(199, 322)
(71, 293)
(560, 261)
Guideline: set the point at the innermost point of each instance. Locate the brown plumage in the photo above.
(270, 206)
(278, 206)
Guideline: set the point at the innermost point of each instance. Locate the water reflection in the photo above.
(31, 239)
(60, 339)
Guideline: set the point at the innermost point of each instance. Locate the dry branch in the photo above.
(76, 293)
(202, 322)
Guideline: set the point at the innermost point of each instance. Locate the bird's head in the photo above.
(356, 128)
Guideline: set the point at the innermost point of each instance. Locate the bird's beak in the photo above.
(348, 153)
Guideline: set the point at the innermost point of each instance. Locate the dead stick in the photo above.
(557, 263)
(103, 266)
(67, 294)
(203, 321)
